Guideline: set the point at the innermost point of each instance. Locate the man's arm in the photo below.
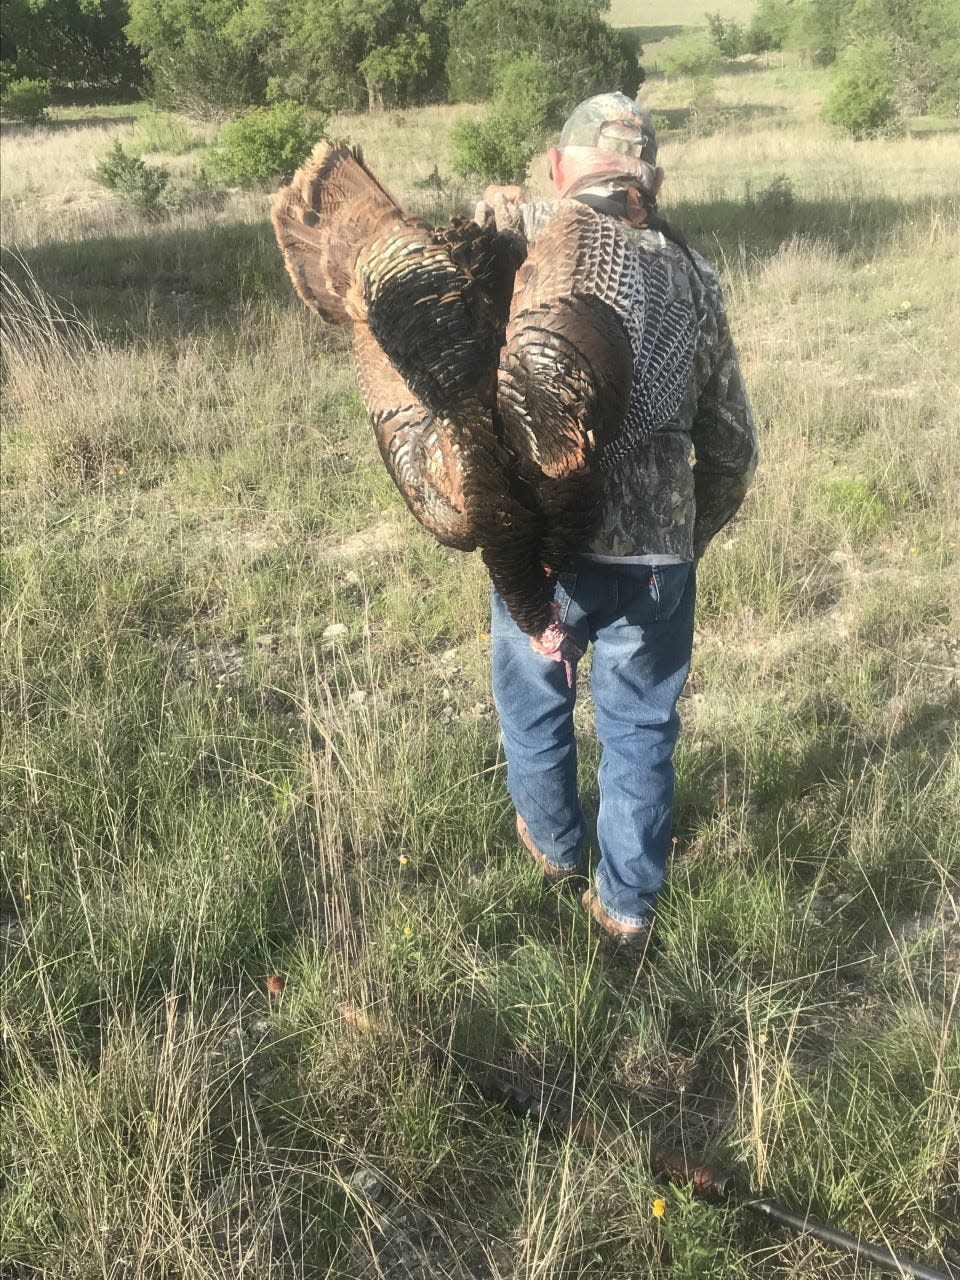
(724, 441)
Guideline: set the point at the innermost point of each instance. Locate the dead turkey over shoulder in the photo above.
(496, 383)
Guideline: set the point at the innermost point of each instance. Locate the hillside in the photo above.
(249, 736)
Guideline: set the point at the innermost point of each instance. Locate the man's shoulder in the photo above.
(682, 257)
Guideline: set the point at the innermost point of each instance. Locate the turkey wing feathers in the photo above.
(428, 310)
(420, 452)
(566, 369)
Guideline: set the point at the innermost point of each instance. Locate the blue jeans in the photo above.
(640, 621)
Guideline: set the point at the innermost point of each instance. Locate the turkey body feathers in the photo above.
(566, 370)
(490, 393)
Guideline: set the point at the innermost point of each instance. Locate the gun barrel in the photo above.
(893, 1263)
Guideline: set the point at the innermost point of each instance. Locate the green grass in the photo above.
(248, 732)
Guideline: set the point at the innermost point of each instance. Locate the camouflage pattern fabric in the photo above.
(592, 125)
(670, 494)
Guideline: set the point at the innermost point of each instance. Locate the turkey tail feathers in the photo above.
(330, 212)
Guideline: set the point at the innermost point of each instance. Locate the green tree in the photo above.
(528, 103)
(726, 35)
(584, 53)
(347, 54)
(769, 26)
(819, 27)
(924, 41)
(861, 101)
(77, 44)
(198, 54)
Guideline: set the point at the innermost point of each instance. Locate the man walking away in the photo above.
(630, 593)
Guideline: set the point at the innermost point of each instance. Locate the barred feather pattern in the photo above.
(566, 369)
(582, 255)
(510, 470)
(663, 339)
(421, 452)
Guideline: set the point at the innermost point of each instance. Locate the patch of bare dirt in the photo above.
(383, 538)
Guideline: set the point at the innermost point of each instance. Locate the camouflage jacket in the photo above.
(666, 498)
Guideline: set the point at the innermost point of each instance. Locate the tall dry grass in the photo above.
(248, 734)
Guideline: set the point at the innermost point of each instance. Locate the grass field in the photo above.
(678, 13)
(248, 733)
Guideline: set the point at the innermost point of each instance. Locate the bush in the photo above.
(726, 35)
(946, 100)
(776, 197)
(142, 187)
(861, 102)
(706, 115)
(526, 106)
(769, 26)
(265, 145)
(492, 149)
(26, 99)
(690, 56)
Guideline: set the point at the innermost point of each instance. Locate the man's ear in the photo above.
(555, 160)
(657, 181)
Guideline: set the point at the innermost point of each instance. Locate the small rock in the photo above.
(366, 1182)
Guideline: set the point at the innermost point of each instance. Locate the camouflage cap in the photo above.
(599, 122)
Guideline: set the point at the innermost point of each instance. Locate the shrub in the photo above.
(140, 186)
(690, 56)
(526, 105)
(726, 35)
(861, 101)
(26, 99)
(946, 100)
(777, 196)
(494, 149)
(706, 115)
(266, 144)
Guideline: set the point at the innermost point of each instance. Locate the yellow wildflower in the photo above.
(659, 1207)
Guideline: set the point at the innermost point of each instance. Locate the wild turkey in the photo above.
(494, 383)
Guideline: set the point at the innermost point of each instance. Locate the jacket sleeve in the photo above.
(724, 440)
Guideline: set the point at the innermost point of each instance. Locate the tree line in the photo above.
(893, 58)
(532, 59)
(215, 57)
